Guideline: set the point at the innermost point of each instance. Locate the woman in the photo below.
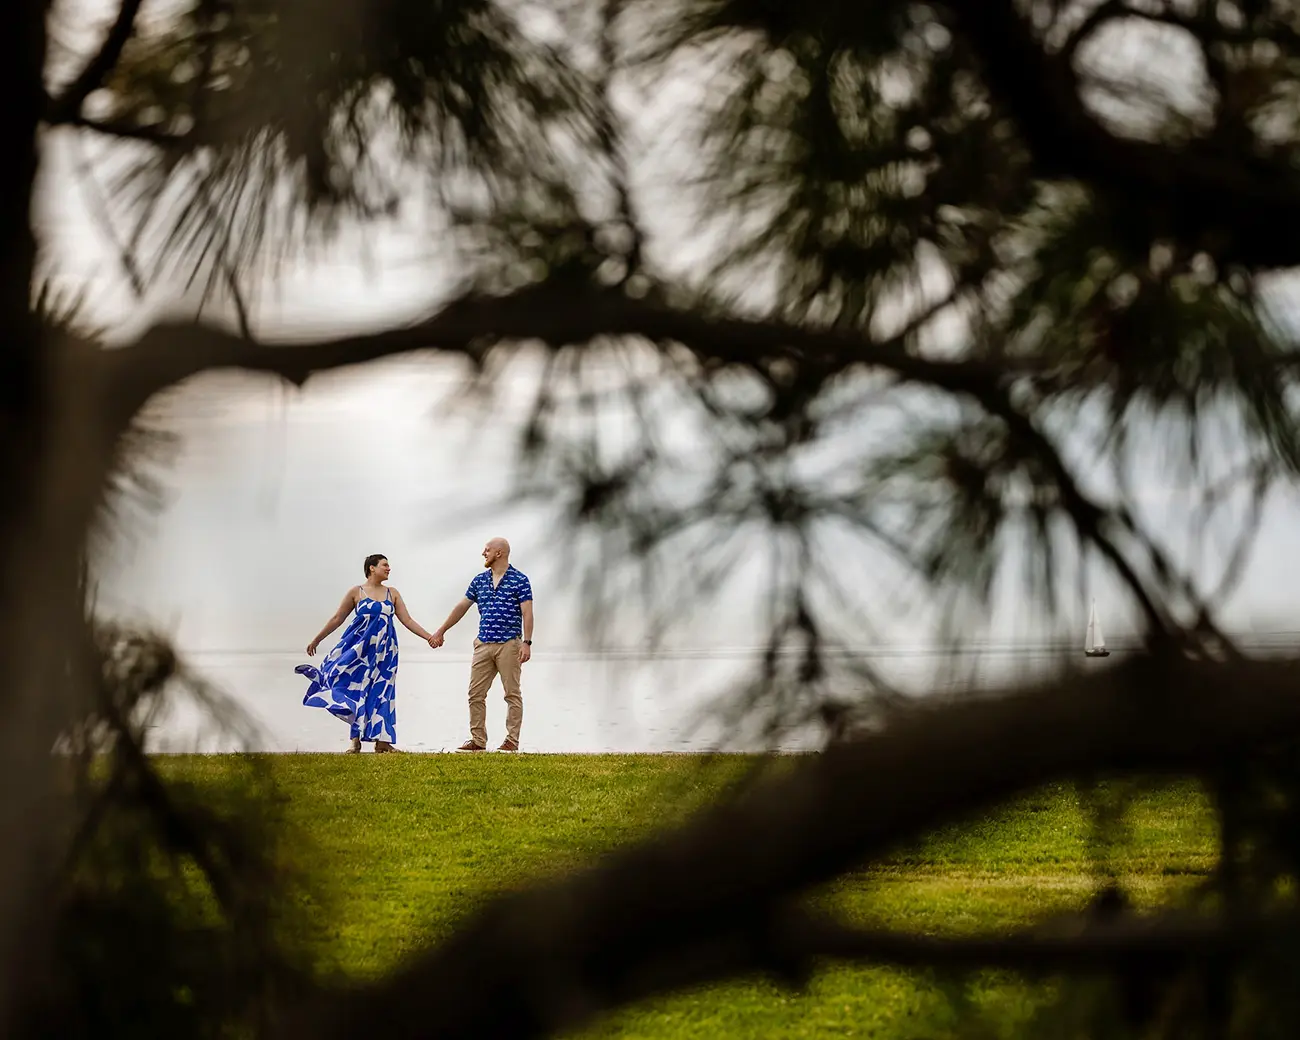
(357, 681)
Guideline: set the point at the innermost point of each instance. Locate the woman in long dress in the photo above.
(357, 681)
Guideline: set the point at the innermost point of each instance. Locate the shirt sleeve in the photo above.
(525, 591)
(470, 594)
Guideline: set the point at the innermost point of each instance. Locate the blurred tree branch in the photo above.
(1072, 943)
(788, 944)
(125, 130)
(1080, 262)
(1106, 11)
(66, 106)
(1244, 209)
(674, 910)
(556, 314)
(564, 314)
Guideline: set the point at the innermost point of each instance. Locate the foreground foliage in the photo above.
(947, 282)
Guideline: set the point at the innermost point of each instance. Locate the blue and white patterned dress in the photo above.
(357, 681)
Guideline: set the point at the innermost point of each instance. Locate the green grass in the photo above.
(398, 849)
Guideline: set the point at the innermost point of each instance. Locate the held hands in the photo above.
(436, 640)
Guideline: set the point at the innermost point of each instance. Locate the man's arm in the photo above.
(526, 651)
(457, 612)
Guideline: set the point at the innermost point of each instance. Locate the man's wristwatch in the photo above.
(528, 642)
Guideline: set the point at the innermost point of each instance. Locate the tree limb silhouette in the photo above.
(66, 107)
(127, 131)
(557, 315)
(1077, 941)
(1245, 209)
(563, 315)
(673, 910)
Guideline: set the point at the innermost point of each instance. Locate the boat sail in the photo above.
(1094, 643)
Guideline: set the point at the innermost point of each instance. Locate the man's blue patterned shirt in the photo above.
(500, 611)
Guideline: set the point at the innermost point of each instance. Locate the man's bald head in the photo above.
(496, 553)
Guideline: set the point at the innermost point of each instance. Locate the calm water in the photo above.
(573, 702)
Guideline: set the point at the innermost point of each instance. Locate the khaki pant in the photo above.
(491, 660)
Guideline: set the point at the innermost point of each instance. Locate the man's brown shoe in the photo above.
(469, 745)
(508, 745)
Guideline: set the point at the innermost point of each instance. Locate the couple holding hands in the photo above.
(357, 681)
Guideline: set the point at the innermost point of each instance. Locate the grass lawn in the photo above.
(399, 848)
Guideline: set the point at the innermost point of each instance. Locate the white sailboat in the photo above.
(1094, 643)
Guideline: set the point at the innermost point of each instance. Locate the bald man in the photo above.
(504, 644)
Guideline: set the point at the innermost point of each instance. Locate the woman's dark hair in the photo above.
(372, 562)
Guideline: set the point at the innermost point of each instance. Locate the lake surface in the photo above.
(573, 702)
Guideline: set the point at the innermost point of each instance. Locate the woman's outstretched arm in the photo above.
(345, 608)
(404, 616)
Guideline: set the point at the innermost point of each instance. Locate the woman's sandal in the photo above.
(355, 749)
(382, 747)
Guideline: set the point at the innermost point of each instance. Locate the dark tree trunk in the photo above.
(22, 389)
(25, 400)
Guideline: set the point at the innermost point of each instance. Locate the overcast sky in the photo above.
(279, 494)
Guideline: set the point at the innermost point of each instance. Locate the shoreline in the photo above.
(482, 754)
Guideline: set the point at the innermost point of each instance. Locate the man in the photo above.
(504, 644)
